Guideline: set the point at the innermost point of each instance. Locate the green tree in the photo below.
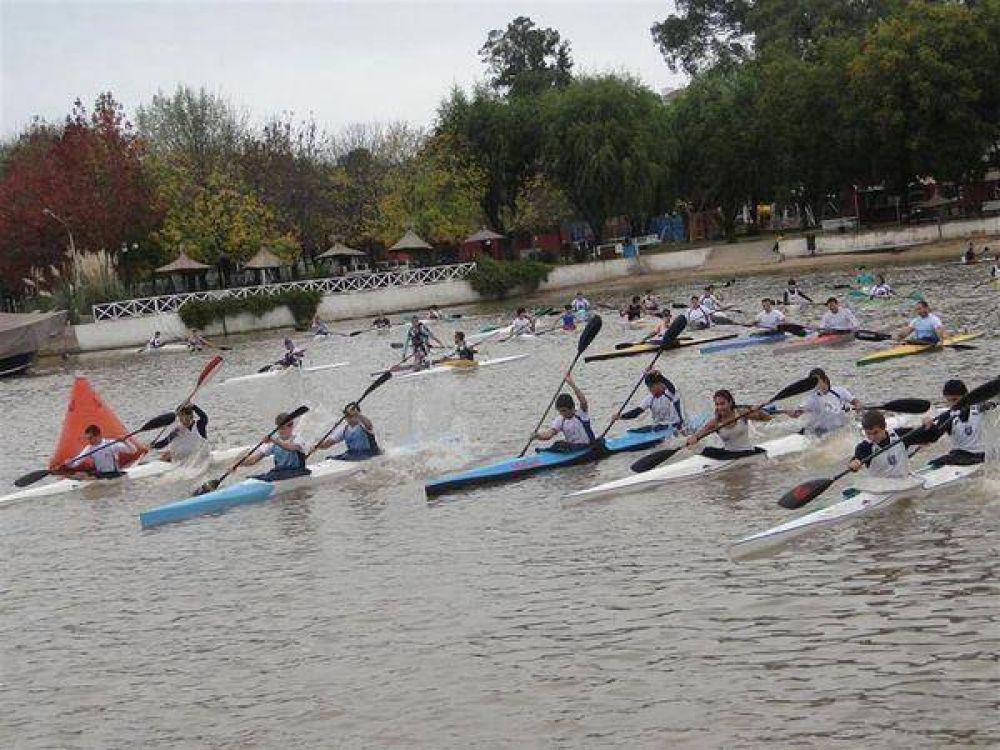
(526, 60)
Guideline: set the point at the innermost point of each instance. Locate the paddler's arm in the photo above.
(756, 415)
(576, 390)
(904, 333)
(702, 431)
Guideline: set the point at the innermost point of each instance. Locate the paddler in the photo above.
(661, 327)
(106, 457)
(522, 323)
(632, 311)
(864, 277)
(581, 305)
(965, 430)
(572, 422)
(320, 327)
(769, 318)
(357, 433)
(709, 301)
(881, 289)
(969, 256)
(893, 463)
(418, 340)
(663, 403)
(286, 448)
(698, 317)
(732, 424)
(827, 408)
(462, 349)
(196, 342)
(925, 328)
(650, 302)
(381, 322)
(434, 313)
(838, 319)
(568, 319)
(187, 437)
(155, 342)
(793, 295)
(292, 356)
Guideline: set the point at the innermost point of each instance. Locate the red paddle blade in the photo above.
(804, 493)
(213, 366)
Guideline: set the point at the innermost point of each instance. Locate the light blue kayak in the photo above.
(246, 492)
(771, 338)
(516, 468)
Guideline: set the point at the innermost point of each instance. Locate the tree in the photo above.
(605, 148)
(526, 60)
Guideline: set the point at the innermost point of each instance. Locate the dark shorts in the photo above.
(958, 458)
(721, 454)
(275, 475)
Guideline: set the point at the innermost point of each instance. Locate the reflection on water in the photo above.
(354, 615)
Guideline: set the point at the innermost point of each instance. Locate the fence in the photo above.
(171, 303)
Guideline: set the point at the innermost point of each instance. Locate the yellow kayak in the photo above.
(905, 350)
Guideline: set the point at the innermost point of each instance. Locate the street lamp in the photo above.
(72, 245)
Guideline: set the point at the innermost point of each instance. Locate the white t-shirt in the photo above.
(572, 429)
(106, 458)
(826, 412)
(881, 290)
(665, 409)
(710, 303)
(842, 320)
(771, 319)
(520, 325)
(698, 317)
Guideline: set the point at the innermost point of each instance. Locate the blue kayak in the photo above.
(770, 338)
(516, 468)
(244, 493)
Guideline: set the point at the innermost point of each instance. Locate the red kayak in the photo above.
(811, 342)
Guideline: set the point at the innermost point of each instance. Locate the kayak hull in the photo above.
(638, 349)
(517, 468)
(458, 366)
(906, 350)
(263, 377)
(813, 342)
(722, 346)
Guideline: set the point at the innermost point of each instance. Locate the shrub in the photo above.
(302, 304)
(496, 279)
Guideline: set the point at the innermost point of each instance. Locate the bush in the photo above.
(496, 279)
(302, 304)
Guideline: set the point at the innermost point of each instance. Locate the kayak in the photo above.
(814, 341)
(633, 351)
(461, 365)
(165, 349)
(693, 466)
(722, 346)
(905, 350)
(278, 372)
(857, 502)
(139, 471)
(253, 490)
(478, 338)
(516, 468)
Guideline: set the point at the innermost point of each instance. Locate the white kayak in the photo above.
(868, 496)
(165, 349)
(477, 338)
(146, 470)
(461, 365)
(693, 466)
(279, 372)
(246, 492)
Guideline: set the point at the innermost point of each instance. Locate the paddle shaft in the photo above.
(207, 372)
(291, 417)
(383, 379)
(551, 402)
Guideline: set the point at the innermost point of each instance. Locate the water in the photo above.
(356, 615)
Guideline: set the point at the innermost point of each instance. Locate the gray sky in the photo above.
(342, 61)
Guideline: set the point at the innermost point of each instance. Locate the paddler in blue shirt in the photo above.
(357, 433)
(573, 423)
(286, 448)
(926, 328)
(568, 319)
(418, 341)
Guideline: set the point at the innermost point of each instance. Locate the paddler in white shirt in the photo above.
(733, 424)
(155, 342)
(663, 403)
(881, 289)
(581, 305)
(795, 296)
(827, 408)
(196, 342)
(709, 301)
(434, 313)
(965, 430)
(286, 448)
(357, 433)
(522, 323)
(768, 319)
(894, 463)
(572, 422)
(187, 438)
(926, 328)
(838, 319)
(698, 317)
(650, 302)
(106, 460)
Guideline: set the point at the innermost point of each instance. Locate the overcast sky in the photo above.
(343, 61)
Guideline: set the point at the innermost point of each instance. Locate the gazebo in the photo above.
(185, 266)
(340, 250)
(484, 241)
(410, 241)
(263, 262)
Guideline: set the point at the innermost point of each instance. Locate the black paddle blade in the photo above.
(671, 334)
(397, 345)
(905, 406)
(797, 388)
(31, 477)
(589, 333)
(378, 383)
(862, 335)
(624, 345)
(988, 390)
(793, 328)
(293, 415)
(159, 422)
(804, 493)
(654, 459)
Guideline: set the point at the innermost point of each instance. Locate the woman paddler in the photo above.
(286, 448)
(105, 459)
(357, 433)
(827, 408)
(732, 424)
(572, 422)
(187, 438)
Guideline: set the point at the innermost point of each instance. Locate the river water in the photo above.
(358, 615)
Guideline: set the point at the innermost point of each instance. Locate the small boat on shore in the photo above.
(23, 335)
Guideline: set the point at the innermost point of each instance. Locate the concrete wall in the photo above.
(888, 238)
(565, 277)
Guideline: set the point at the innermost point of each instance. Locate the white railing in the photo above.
(359, 282)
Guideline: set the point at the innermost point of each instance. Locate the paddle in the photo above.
(207, 373)
(904, 406)
(377, 383)
(587, 336)
(865, 335)
(156, 423)
(808, 491)
(212, 484)
(669, 336)
(793, 328)
(656, 458)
